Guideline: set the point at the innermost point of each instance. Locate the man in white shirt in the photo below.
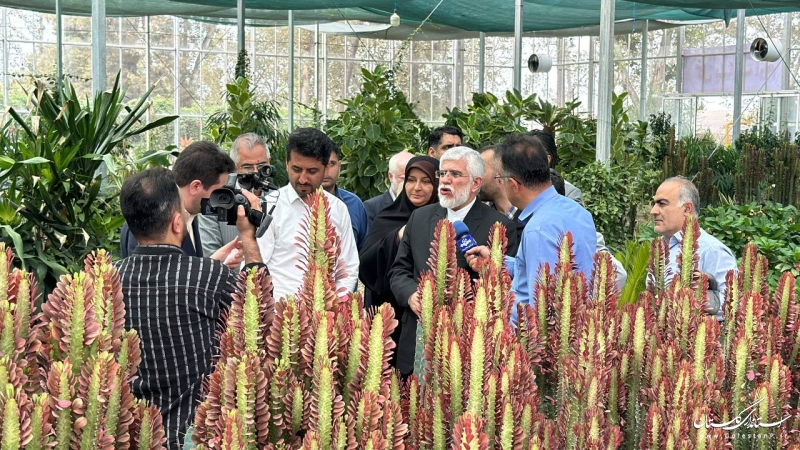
(308, 151)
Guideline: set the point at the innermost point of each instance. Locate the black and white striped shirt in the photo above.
(174, 302)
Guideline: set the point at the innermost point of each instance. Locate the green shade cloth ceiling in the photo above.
(490, 16)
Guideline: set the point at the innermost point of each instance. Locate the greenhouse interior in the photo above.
(212, 217)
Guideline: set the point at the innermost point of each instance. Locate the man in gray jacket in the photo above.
(249, 153)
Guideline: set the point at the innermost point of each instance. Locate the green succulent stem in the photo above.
(37, 441)
(456, 385)
(146, 430)
(78, 325)
(11, 425)
(439, 432)
(477, 364)
(252, 331)
(93, 403)
(325, 406)
(372, 379)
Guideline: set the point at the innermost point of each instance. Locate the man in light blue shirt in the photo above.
(358, 214)
(525, 176)
(675, 199)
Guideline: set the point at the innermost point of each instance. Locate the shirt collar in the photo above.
(291, 194)
(392, 194)
(546, 195)
(453, 216)
(157, 249)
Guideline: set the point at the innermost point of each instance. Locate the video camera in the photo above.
(224, 201)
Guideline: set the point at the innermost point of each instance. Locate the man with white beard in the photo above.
(460, 177)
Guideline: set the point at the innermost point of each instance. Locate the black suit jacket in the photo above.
(412, 260)
(128, 243)
(376, 205)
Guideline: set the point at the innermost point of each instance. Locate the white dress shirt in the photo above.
(280, 251)
(453, 216)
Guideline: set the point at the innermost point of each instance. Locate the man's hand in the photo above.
(247, 231)
(415, 304)
(230, 254)
(477, 256)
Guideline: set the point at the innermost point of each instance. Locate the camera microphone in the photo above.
(464, 240)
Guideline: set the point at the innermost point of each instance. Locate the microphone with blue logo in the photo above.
(464, 240)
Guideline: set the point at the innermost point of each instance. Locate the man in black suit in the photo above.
(397, 175)
(460, 177)
(201, 168)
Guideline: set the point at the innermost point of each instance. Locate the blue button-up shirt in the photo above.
(547, 218)
(358, 214)
(716, 259)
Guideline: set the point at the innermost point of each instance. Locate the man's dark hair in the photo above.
(148, 200)
(548, 142)
(436, 135)
(203, 161)
(558, 182)
(525, 160)
(311, 143)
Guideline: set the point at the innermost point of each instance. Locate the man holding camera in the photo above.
(201, 168)
(308, 152)
(249, 154)
(173, 300)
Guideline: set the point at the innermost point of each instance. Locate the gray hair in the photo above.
(246, 141)
(394, 161)
(475, 165)
(687, 193)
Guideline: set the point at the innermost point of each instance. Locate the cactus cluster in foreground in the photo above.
(65, 372)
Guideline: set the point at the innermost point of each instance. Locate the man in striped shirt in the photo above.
(173, 301)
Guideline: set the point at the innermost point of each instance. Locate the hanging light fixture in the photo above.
(395, 19)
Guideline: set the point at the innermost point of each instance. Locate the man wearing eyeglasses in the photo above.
(547, 216)
(460, 176)
(249, 153)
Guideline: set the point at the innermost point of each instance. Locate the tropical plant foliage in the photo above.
(376, 123)
(53, 205)
(247, 114)
(65, 372)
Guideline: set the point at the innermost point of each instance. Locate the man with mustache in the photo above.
(308, 152)
(460, 178)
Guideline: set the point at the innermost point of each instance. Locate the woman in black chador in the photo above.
(380, 248)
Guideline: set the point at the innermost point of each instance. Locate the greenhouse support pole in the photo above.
(240, 31)
(59, 48)
(291, 71)
(316, 63)
(5, 59)
(592, 57)
(481, 60)
(606, 84)
(679, 65)
(738, 80)
(518, 45)
(147, 61)
(324, 77)
(787, 56)
(98, 45)
(643, 80)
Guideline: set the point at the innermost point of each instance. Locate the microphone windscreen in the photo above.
(464, 240)
(460, 227)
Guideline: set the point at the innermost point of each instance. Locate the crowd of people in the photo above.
(179, 266)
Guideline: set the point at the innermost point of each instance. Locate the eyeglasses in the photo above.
(253, 167)
(499, 178)
(452, 173)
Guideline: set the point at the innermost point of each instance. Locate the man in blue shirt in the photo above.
(358, 214)
(525, 174)
(675, 199)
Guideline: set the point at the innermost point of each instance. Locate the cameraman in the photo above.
(249, 153)
(200, 168)
(173, 300)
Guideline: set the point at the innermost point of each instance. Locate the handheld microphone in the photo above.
(464, 240)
